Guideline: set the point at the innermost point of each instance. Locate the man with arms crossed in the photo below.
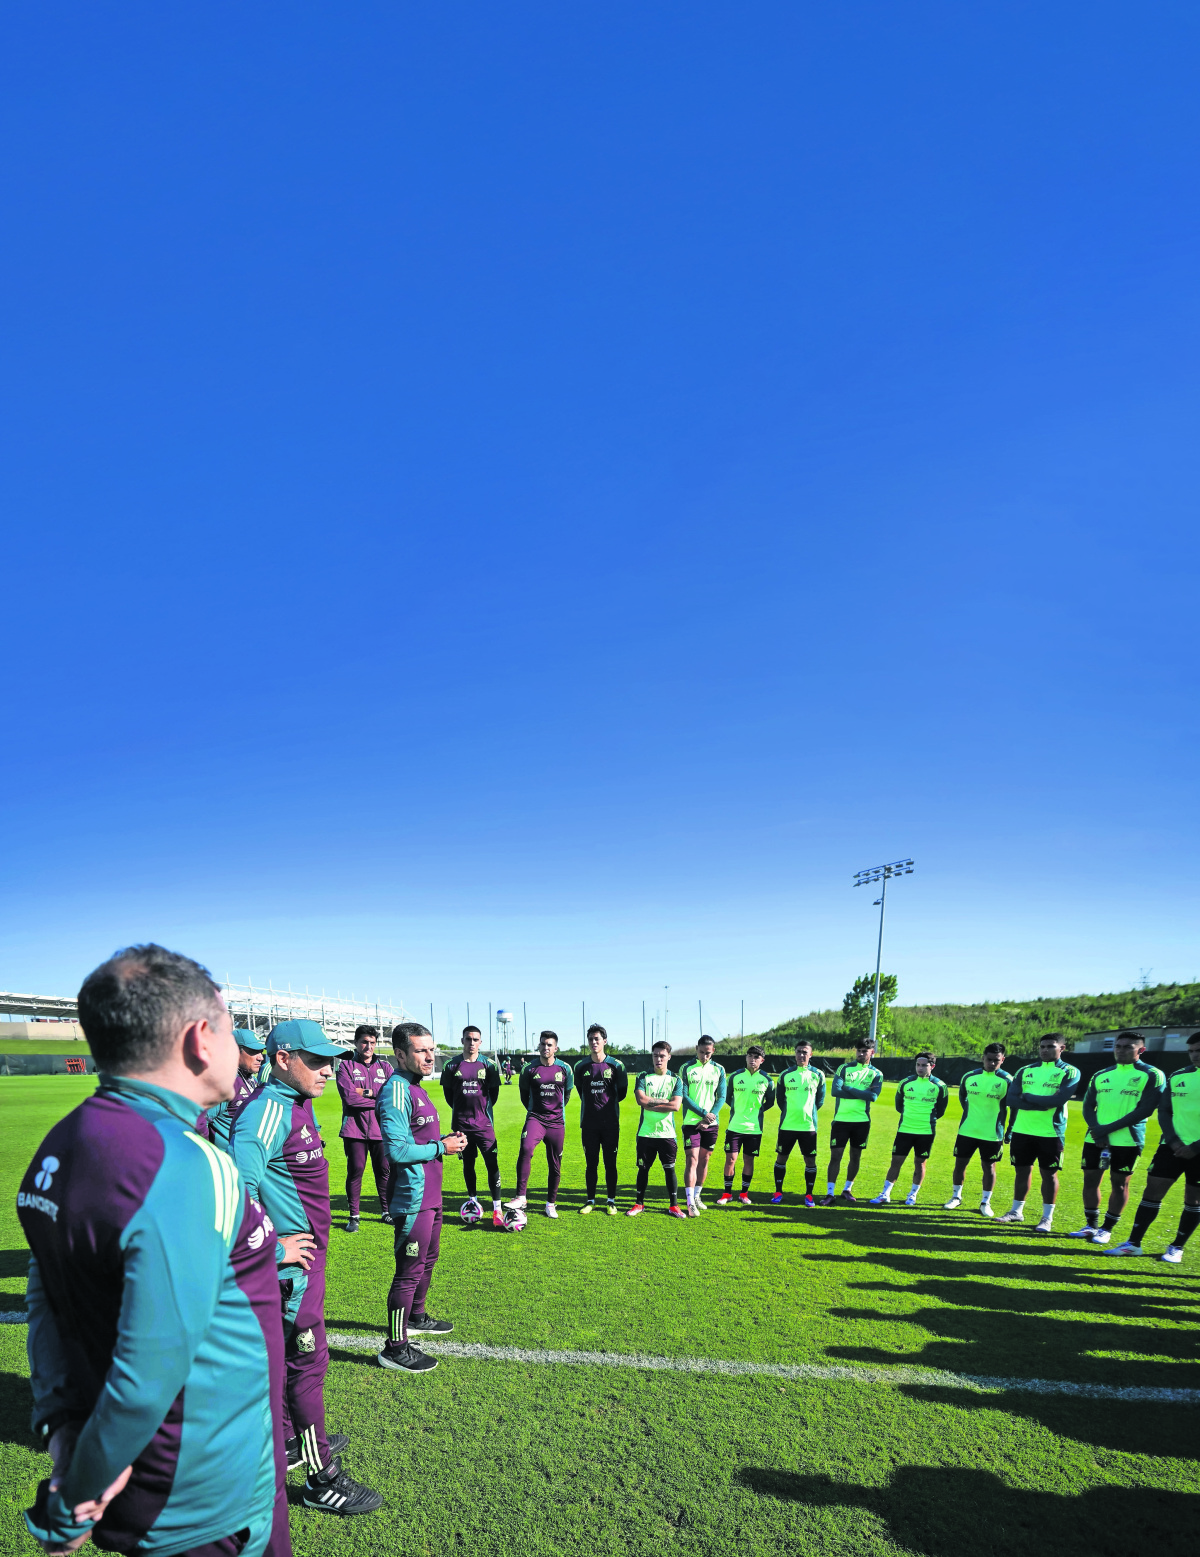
(1178, 1153)
(281, 1157)
(920, 1101)
(856, 1085)
(801, 1092)
(415, 1146)
(659, 1095)
(750, 1093)
(360, 1080)
(704, 1081)
(602, 1084)
(251, 1060)
(155, 1348)
(471, 1085)
(982, 1094)
(545, 1084)
(1037, 1107)
(1116, 1104)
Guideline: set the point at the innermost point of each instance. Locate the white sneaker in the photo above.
(1084, 1232)
(691, 1211)
(953, 1205)
(1172, 1256)
(910, 1200)
(986, 1210)
(1046, 1225)
(1012, 1216)
(1125, 1248)
(880, 1200)
(1102, 1235)
(552, 1210)
(699, 1204)
(517, 1203)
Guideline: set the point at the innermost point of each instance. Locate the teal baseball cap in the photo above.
(245, 1039)
(302, 1036)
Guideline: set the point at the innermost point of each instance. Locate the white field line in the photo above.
(784, 1370)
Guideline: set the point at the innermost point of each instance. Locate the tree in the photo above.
(858, 1004)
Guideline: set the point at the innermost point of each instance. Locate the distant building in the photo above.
(1156, 1039)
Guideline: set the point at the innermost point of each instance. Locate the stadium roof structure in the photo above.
(256, 1008)
(260, 1008)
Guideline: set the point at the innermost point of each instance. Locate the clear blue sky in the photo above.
(520, 502)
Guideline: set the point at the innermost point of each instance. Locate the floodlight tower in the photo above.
(863, 878)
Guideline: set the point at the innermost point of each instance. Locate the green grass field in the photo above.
(521, 1458)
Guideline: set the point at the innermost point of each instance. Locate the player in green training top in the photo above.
(920, 1101)
(660, 1097)
(1178, 1153)
(749, 1095)
(1037, 1107)
(1116, 1105)
(982, 1095)
(856, 1085)
(704, 1081)
(800, 1093)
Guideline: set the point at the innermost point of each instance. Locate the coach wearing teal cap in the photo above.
(281, 1157)
(251, 1072)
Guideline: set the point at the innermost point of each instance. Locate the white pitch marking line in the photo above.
(785, 1370)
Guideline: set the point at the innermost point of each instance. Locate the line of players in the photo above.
(1025, 1110)
(176, 1295)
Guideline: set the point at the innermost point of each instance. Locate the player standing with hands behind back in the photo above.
(546, 1084)
(360, 1079)
(1037, 1104)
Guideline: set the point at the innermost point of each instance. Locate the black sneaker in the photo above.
(406, 1358)
(334, 1492)
(352, 1225)
(295, 1457)
(429, 1326)
(388, 1219)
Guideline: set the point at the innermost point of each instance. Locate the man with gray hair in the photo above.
(155, 1344)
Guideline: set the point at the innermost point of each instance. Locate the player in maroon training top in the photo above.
(360, 1080)
(471, 1085)
(546, 1084)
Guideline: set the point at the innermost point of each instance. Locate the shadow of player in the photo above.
(965, 1512)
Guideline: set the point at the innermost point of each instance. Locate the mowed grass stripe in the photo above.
(932, 1377)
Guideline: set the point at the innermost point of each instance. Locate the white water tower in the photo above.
(503, 1027)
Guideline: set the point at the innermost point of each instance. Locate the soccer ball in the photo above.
(470, 1211)
(515, 1221)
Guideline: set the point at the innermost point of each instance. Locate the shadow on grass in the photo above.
(1000, 1298)
(16, 1408)
(949, 1512)
(1132, 1427)
(14, 1264)
(1029, 1346)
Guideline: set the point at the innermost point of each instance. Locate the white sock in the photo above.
(689, 1191)
(832, 1186)
(1018, 1206)
(914, 1192)
(1047, 1210)
(956, 1191)
(887, 1186)
(985, 1198)
(848, 1185)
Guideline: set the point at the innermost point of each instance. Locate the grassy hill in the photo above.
(952, 1029)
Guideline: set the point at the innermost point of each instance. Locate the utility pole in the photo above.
(863, 878)
(643, 1024)
(491, 1028)
(700, 1008)
(665, 1022)
(525, 1020)
(743, 1027)
(583, 1021)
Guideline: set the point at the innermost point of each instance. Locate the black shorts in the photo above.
(806, 1140)
(919, 1145)
(1167, 1165)
(601, 1130)
(966, 1146)
(748, 1144)
(854, 1132)
(656, 1148)
(1045, 1150)
(1124, 1158)
(703, 1136)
